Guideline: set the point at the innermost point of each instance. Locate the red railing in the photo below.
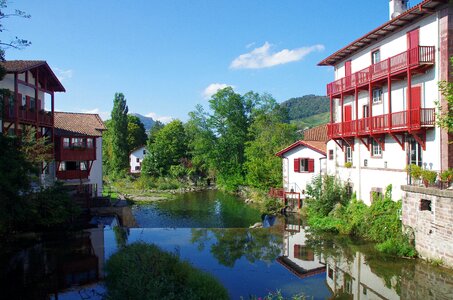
(414, 57)
(397, 121)
(72, 174)
(28, 116)
(75, 154)
(277, 193)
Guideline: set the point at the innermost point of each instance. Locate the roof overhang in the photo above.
(425, 8)
(299, 144)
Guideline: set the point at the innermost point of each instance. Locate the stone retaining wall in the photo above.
(429, 213)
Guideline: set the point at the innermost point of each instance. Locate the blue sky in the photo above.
(166, 55)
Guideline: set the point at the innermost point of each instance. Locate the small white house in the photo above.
(136, 158)
(304, 160)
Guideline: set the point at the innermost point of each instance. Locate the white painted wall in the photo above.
(299, 239)
(390, 168)
(135, 155)
(96, 170)
(299, 181)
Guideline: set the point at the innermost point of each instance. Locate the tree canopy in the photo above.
(118, 136)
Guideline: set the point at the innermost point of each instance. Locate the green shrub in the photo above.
(326, 191)
(348, 164)
(143, 271)
(397, 247)
(447, 175)
(144, 182)
(272, 206)
(168, 184)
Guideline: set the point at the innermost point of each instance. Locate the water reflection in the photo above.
(283, 257)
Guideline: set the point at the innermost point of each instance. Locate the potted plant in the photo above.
(428, 177)
(446, 176)
(348, 164)
(414, 171)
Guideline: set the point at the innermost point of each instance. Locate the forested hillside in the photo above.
(306, 106)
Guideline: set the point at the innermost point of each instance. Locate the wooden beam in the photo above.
(366, 144)
(420, 139)
(341, 146)
(350, 142)
(380, 140)
(400, 142)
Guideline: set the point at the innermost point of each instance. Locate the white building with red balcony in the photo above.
(28, 101)
(78, 151)
(383, 99)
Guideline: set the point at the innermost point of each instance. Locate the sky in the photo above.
(168, 56)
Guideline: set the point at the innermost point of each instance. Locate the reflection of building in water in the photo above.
(355, 278)
(50, 267)
(297, 257)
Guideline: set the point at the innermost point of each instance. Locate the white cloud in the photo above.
(213, 88)
(63, 74)
(105, 115)
(156, 117)
(263, 57)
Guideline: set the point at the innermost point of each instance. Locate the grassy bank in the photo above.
(332, 209)
(143, 271)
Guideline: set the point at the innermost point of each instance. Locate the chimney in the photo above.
(397, 7)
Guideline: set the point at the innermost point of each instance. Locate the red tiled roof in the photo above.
(20, 66)
(67, 123)
(318, 133)
(314, 138)
(427, 7)
(317, 146)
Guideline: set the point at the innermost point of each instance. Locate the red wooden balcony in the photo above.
(395, 122)
(75, 154)
(29, 116)
(72, 174)
(414, 58)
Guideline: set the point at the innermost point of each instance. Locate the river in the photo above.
(210, 230)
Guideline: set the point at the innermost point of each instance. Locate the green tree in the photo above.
(136, 133)
(120, 148)
(445, 112)
(200, 142)
(268, 134)
(229, 122)
(168, 149)
(107, 147)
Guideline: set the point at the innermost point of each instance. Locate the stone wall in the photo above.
(429, 213)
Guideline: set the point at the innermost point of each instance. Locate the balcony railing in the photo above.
(394, 122)
(412, 58)
(28, 115)
(72, 174)
(75, 154)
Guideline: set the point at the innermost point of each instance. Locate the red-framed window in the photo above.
(304, 165)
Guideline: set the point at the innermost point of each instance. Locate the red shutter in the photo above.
(311, 165)
(297, 165)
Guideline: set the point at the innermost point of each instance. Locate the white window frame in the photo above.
(376, 149)
(375, 56)
(378, 95)
(348, 154)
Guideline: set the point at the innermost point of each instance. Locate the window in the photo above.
(375, 57)
(144, 152)
(415, 151)
(66, 143)
(330, 272)
(90, 143)
(83, 166)
(366, 111)
(62, 166)
(348, 155)
(24, 100)
(11, 105)
(137, 160)
(32, 103)
(376, 148)
(330, 154)
(304, 165)
(77, 142)
(377, 95)
(137, 168)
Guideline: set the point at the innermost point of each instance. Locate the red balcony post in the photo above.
(356, 94)
(409, 99)
(16, 104)
(342, 114)
(370, 106)
(389, 98)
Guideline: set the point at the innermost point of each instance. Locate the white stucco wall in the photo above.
(295, 180)
(390, 167)
(96, 170)
(136, 154)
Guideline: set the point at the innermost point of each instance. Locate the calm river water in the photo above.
(210, 229)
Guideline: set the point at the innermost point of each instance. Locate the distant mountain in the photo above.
(147, 121)
(306, 106)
